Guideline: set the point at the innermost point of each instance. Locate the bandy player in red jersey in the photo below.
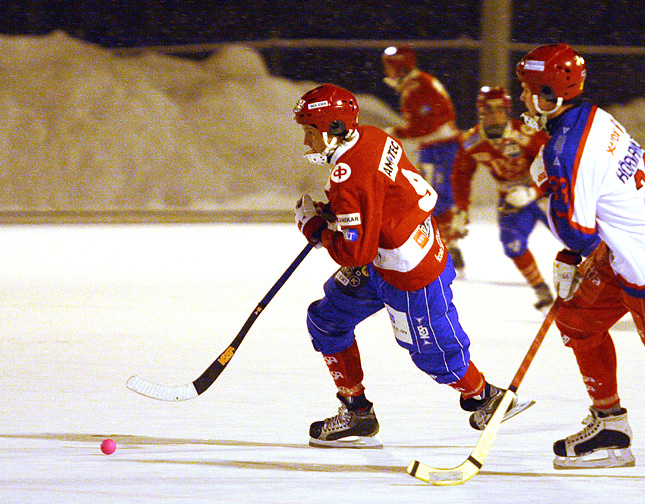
(378, 226)
(506, 147)
(430, 122)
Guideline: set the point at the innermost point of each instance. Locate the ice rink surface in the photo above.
(84, 307)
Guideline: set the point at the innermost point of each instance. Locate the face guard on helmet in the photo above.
(490, 99)
(398, 62)
(556, 72)
(333, 111)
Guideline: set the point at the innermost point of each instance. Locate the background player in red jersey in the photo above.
(378, 226)
(506, 147)
(429, 117)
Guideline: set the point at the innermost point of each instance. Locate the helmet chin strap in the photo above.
(320, 158)
(539, 122)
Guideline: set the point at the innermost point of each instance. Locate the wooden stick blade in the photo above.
(472, 465)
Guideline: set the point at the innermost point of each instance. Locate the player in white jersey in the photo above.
(594, 174)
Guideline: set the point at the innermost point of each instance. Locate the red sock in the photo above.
(346, 370)
(598, 368)
(472, 383)
(529, 268)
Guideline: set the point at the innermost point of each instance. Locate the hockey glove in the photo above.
(309, 221)
(519, 196)
(566, 277)
(459, 223)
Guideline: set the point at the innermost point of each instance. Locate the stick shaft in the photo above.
(539, 338)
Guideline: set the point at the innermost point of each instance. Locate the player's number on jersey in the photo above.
(428, 194)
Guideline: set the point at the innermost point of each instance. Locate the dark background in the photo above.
(139, 23)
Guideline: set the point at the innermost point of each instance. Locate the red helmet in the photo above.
(554, 71)
(493, 96)
(331, 109)
(401, 59)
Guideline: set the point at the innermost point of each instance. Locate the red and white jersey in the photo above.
(427, 110)
(383, 210)
(508, 159)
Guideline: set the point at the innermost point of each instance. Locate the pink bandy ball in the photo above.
(108, 446)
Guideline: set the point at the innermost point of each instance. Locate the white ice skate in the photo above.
(604, 442)
(350, 428)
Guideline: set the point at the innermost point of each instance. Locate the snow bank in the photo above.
(82, 128)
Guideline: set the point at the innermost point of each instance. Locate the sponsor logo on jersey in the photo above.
(629, 164)
(535, 65)
(318, 104)
(420, 237)
(439, 255)
(615, 136)
(352, 219)
(350, 235)
(390, 158)
(340, 173)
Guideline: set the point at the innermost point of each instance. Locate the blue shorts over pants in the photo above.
(425, 321)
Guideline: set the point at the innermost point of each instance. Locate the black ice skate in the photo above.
(604, 442)
(355, 426)
(457, 260)
(483, 407)
(545, 298)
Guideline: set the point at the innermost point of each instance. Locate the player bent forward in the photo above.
(385, 239)
(594, 174)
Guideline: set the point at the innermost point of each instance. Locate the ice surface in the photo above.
(85, 307)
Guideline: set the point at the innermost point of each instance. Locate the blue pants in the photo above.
(425, 321)
(442, 158)
(516, 226)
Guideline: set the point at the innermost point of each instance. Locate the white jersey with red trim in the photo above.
(383, 210)
(595, 173)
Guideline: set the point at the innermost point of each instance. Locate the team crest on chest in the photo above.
(340, 173)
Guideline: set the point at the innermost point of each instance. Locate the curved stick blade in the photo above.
(161, 392)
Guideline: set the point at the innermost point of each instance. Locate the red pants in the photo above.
(585, 320)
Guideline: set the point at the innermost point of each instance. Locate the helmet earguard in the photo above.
(332, 110)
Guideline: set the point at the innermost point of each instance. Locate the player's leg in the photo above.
(514, 229)
(584, 322)
(349, 299)
(426, 323)
(437, 161)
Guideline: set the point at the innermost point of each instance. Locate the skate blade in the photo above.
(600, 459)
(517, 409)
(353, 442)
